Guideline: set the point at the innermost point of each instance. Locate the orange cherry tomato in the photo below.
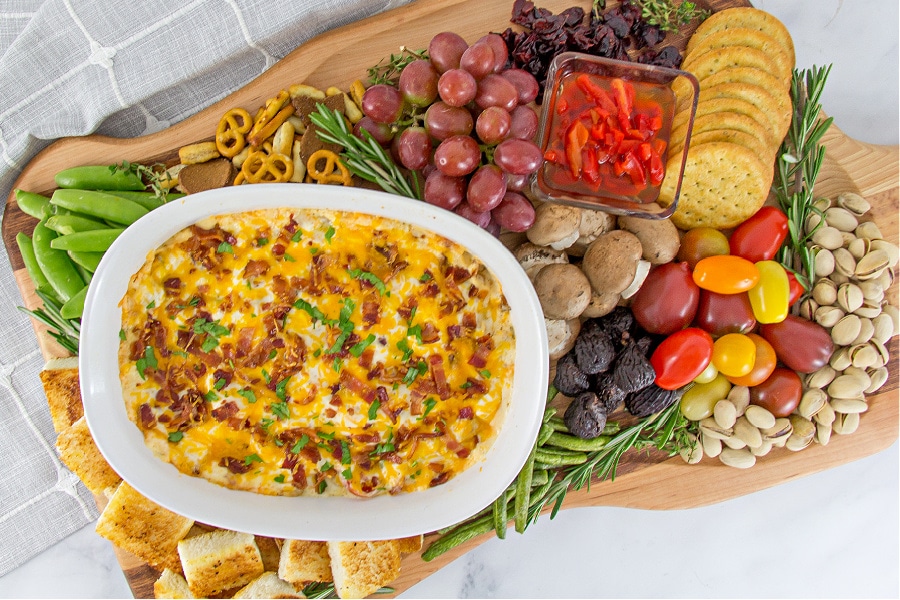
(765, 363)
(726, 274)
(734, 354)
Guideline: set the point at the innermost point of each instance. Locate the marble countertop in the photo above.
(831, 534)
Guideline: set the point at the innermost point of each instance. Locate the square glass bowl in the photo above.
(605, 131)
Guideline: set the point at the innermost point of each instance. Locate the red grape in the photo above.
(523, 123)
(457, 87)
(492, 125)
(465, 210)
(501, 52)
(516, 183)
(520, 157)
(526, 84)
(443, 121)
(514, 212)
(486, 188)
(445, 50)
(414, 148)
(419, 83)
(443, 191)
(458, 155)
(494, 90)
(380, 131)
(478, 59)
(382, 103)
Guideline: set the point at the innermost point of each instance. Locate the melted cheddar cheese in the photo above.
(315, 352)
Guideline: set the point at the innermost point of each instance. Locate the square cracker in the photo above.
(144, 528)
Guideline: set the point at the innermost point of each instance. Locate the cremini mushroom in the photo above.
(659, 237)
(594, 223)
(563, 290)
(561, 335)
(533, 258)
(555, 225)
(611, 261)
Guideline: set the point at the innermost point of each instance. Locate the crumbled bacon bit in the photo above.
(235, 465)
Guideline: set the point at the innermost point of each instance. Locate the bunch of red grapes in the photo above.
(474, 141)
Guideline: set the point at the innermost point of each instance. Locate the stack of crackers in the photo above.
(743, 59)
(196, 560)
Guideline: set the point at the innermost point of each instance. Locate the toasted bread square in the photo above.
(171, 585)
(144, 528)
(304, 561)
(361, 568)
(80, 454)
(219, 560)
(268, 585)
(270, 550)
(60, 379)
(408, 545)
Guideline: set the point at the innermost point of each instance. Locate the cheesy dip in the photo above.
(310, 351)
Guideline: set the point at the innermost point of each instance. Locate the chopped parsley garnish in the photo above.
(279, 478)
(416, 332)
(288, 257)
(298, 235)
(262, 241)
(122, 334)
(148, 361)
(326, 466)
(280, 388)
(266, 377)
(403, 346)
(485, 373)
(175, 436)
(413, 373)
(337, 364)
(326, 436)
(248, 394)
(301, 443)
(280, 409)
(329, 233)
(377, 283)
(373, 409)
(213, 331)
(252, 459)
(429, 403)
(347, 473)
(345, 453)
(211, 396)
(225, 248)
(220, 383)
(152, 305)
(320, 487)
(359, 347)
(426, 276)
(312, 311)
(266, 422)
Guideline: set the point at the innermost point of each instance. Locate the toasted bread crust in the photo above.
(361, 568)
(219, 560)
(60, 379)
(80, 454)
(304, 561)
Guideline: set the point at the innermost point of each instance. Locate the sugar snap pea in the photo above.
(74, 308)
(148, 200)
(56, 265)
(87, 260)
(99, 204)
(98, 177)
(26, 249)
(66, 224)
(95, 240)
(32, 204)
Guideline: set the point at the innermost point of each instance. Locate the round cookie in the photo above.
(749, 38)
(723, 185)
(744, 17)
(716, 60)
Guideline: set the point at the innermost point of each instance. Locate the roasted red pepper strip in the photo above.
(591, 168)
(576, 138)
(600, 96)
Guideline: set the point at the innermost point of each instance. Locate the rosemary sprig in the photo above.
(326, 590)
(387, 71)
(799, 161)
(365, 158)
(65, 331)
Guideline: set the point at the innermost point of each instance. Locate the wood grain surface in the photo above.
(341, 56)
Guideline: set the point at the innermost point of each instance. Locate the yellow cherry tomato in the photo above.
(708, 374)
(726, 274)
(698, 402)
(770, 297)
(763, 366)
(734, 354)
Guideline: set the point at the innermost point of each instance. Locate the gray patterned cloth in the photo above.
(122, 68)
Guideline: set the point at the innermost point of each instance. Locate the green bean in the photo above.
(571, 442)
(148, 200)
(32, 204)
(538, 495)
(558, 424)
(74, 308)
(66, 224)
(88, 260)
(96, 240)
(559, 458)
(611, 427)
(544, 434)
(539, 477)
(26, 249)
(56, 265)
(523, 491)
(500, 515)
(100, 205)
(459, 536)
(99, 177)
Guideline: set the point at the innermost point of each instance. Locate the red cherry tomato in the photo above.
(681, 357)
(724, 313)
(673, 282)
(760, 237)
(802, 345)
(779, 394)
(765, 363)
(796, 289)
(700, 242)
(726, 274)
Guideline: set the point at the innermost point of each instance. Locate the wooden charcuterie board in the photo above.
(341, 56)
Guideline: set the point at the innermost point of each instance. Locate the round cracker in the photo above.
(714, 61)
(732, 136)
(723, 185)
(727, 120)
(776, 105)
(744, 17)
(723, 104)
(749, 38)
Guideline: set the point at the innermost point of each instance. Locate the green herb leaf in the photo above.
(176, 436)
